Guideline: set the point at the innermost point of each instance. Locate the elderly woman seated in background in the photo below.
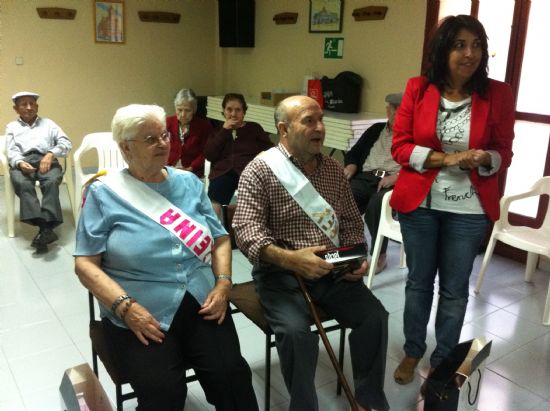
(189, 134)
(231, 148)
(144, 241)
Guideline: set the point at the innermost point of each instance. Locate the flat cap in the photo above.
(23, 94)
(394, 99)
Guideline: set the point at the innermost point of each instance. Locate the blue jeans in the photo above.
(445, 243)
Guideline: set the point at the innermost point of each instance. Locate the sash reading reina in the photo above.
(196, 237)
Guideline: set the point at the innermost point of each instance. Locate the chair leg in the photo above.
(341, 358)
(485, 263)
(94, 363)
(119, 399)
(374, 259)
(10, 205)
(546, 315)
(71, 201)
(402, 257)
(267, 376)
(531, 266)
(11, 221)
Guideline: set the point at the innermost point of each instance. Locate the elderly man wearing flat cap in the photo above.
(372, 171)
(33, 145)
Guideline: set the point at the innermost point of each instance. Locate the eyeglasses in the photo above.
(154, 140)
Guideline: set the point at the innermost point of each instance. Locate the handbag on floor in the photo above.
(455, 384)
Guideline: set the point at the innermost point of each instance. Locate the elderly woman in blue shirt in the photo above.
(163, 306)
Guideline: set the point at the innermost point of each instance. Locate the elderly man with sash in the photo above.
(293, 202)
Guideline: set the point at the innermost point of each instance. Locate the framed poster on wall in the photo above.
(109, 21)
(325, 16)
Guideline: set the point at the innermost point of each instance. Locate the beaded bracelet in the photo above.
(117, 302)
(126, 308)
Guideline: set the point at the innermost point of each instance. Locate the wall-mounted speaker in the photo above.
(236, 22)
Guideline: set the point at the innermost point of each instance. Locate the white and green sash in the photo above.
(303, 192)
(196, 237)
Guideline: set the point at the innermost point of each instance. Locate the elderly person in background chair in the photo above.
(33, 145)
(373, 171)
(144, 240)
(231, 148)
(189, 134)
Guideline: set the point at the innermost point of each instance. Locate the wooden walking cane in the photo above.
(326, 342)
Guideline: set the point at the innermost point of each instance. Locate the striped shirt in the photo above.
(379, 157)
(266, 214)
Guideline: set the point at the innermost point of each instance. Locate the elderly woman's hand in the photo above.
(143, 324)
(215, 305)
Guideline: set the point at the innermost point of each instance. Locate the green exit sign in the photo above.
(334, 47)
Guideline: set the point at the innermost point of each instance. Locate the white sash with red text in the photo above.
(303, 192)
(196, 237)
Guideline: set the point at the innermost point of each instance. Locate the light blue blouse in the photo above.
(150, 263)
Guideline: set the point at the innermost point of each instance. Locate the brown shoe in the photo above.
(404, 373)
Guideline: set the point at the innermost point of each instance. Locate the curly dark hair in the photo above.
(441, 45)
(235, 96)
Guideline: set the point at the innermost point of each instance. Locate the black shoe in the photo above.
(41, 249)
(44, 237)
(35, 240)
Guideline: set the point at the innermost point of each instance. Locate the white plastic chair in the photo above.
(109, 158)
(536, 241)
(10, 193)
(389, 228)
(207, 166)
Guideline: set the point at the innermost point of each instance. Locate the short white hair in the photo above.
(186, 95)
(129, 119)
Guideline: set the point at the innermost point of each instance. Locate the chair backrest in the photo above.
(3, 153)
(389, 227)
(542, 186)
(207, 167)
(108, 155)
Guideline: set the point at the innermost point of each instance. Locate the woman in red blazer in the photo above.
(189, 134)
(453, 137)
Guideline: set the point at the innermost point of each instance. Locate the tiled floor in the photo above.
(44, 330)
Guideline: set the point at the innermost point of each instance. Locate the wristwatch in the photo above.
(224, 277)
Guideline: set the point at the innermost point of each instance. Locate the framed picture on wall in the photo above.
(325, 16)
(109, 21)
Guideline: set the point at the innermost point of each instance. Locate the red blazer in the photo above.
(191, 153)
(492, 128)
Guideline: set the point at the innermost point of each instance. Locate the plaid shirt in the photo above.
(266, 214)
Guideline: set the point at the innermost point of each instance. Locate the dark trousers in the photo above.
(352, 305)
(31, 211)
(157, 372)
(222, 188)
(364, 187)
